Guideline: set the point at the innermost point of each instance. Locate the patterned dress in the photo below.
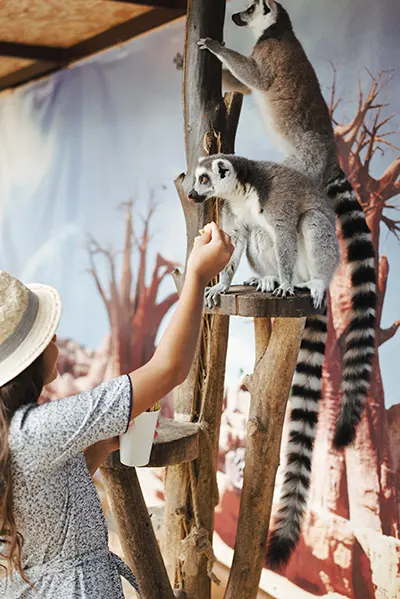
(56, 505)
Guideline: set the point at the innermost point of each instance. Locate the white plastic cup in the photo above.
(135, 445)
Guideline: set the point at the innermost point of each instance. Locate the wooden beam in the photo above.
(111, 37)
(123, 32)
(29, 73)
(180, 4)
(32, 52)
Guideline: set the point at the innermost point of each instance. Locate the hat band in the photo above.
(8, 347)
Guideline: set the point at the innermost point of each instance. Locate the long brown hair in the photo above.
(23, 390)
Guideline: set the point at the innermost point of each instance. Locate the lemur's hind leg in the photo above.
(262, 258)
(322, 253)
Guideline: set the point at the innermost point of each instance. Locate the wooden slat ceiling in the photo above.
(38, 37)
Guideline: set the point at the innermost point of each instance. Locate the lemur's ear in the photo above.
(270, 6)
(221, 168)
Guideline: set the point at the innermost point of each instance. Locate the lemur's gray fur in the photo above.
(279, 217)
(286, 89)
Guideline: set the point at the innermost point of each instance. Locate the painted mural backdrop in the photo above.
(87, 203)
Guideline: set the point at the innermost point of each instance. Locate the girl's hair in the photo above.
(23, 390)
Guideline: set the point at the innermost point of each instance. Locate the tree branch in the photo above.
(386, 334)
(392, 225)
(389, 182)
(126, 277)
(93, 271)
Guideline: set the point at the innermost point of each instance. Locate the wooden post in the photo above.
(137, 537)
(269, 389)
(210, 127)
(177, 443)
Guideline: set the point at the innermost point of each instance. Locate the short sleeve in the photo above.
(54, 432)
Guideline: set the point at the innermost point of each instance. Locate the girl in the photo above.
(53, 535)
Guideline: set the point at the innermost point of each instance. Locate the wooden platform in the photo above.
(177, 442)
(246, 301)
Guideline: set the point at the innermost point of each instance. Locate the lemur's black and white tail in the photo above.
(359, 347)
(305, 397)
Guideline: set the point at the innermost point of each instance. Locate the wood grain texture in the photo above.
(10, 65)
(57, 35)
(60, 24)
(245, 301)
(270, 390)
(177, 443)
(140, 545)
(210, 126)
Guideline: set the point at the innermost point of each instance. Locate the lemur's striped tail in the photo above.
(360, 335)
(304, 401)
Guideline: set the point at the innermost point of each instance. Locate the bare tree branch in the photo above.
(389, 182)
(386, 334)
(365, 104)
(392, 225)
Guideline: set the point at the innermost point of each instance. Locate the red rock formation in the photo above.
(134, 313)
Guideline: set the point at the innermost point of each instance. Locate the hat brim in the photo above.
(40, 335)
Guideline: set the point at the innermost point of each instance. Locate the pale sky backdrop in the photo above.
(76, 145)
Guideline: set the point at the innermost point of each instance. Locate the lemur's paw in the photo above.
(206, 43)
(317, 290)
(284, 290)
(252, 282)
(267, 284)
(212, 295)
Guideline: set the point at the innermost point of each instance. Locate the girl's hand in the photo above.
(211, 253)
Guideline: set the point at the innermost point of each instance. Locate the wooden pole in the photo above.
(210, 127)
(269, 389)
(137, 536)
(203, 107)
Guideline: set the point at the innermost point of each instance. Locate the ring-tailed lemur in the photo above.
(292, 106)
(279, 216)
(287, 226)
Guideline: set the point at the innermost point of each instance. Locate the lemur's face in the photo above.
(260, 15)
(214, 177)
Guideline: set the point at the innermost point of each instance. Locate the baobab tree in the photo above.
(133, 312)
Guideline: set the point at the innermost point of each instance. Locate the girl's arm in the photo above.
(174, 355)
(96, 453)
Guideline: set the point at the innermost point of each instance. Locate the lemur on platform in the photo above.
(286, 224)
(286, 89)
(282, 219)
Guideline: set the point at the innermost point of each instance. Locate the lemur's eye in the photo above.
(251, 9)
(204, 179)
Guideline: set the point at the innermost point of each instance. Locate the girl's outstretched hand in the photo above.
(211, 253)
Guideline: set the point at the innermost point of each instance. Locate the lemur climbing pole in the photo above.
(188, 446)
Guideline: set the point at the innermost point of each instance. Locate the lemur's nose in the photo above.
(192, 195)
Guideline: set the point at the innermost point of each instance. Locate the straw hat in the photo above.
(29, 316)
